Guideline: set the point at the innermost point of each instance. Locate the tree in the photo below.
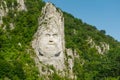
(103, 31)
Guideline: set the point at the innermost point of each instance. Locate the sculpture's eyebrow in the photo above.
(47, 34)
(55, 34)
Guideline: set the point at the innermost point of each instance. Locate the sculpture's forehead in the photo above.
(51, 27)
(51, 30)
(52, 22)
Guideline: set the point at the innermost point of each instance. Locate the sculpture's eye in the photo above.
(55, 35)
(47, 35)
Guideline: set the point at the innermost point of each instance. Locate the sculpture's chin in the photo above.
(50, 48)
(51, 53)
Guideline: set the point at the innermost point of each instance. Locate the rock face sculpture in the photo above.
(48, 41)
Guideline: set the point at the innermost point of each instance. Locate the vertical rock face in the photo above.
(48, 41)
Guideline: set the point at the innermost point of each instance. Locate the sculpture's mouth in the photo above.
(51, 47)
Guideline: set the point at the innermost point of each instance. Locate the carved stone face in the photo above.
(50, 42)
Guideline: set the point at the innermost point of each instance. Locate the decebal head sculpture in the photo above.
(49, 38)
(49, 41)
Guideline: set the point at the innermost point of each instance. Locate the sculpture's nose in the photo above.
(51, 40)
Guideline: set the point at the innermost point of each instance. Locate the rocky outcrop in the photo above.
(21, 5)
(3, 10)
(48, 41)
(71, 55)
(101, 48)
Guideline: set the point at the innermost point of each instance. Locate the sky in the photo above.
(103, 14)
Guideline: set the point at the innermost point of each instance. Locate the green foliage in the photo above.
(103, 31)
(55, 76)
(91, 65)
(15, 48)
(11, 70)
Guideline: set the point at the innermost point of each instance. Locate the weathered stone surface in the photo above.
(21, 5)
(48, 41)
(11, 26)
(3, 10)
(101, 48)
(70, 55)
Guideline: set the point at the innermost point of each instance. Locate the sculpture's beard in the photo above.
(50, 50)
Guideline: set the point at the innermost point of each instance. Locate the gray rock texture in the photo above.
(21, 5)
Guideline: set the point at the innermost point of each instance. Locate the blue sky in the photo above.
(104, 14)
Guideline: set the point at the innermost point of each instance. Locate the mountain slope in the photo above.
(88, 41)
(16, 54)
